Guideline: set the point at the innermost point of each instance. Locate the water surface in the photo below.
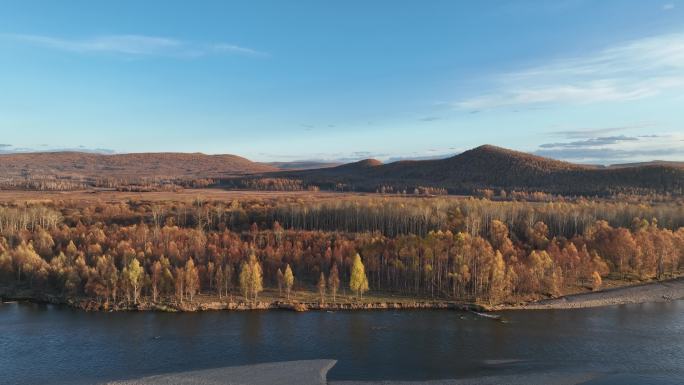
(42, 344)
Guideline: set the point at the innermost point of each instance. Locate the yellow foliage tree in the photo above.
(596, 281)
(498, 284)
(358, 282)
(289, 280)
(251, 278)
(134, 274)
(191, 279)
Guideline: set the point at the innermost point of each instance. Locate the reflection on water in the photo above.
(50, 344)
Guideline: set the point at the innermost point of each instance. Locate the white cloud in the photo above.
(630, 71)
(231, 48)
(10, 149)
(618, 149)
(668, 6)
(585, 133)
(131, 45)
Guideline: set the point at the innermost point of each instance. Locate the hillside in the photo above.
(652, 163)
(496, 168)
(484, 167)
(79, 166)
(302, 165)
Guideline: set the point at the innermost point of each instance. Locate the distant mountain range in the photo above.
(651, 163)
(303, 164)
(498, 168)
(482, 167)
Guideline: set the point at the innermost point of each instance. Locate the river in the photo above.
(46, 344)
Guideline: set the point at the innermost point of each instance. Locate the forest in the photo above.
(121, 252)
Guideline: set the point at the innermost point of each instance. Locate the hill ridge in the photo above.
(76, 164)
(483, 167)
(492, 167)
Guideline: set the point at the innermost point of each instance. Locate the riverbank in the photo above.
(270, 300)
(657, 291)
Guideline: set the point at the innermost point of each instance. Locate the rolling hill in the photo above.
(496, 168)
(651, 163)
(483, 167)
(302, 165)
(80, 165)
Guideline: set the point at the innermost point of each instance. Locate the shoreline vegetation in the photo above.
(310, 252)
(270, 300)
(649, 292)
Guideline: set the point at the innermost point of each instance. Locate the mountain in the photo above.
(302, 165)
(482, 167)
(495, 168)
(81, 165)
(651, 163)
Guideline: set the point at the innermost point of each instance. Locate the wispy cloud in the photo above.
(592, 142)
(634, 70)
(236, 49)
(132, 45)
(612, 156)
(617, 149)
(668, 6)
(10, 149)
(594, 132)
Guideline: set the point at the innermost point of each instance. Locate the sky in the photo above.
(584, 81)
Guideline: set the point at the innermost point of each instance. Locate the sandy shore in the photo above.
(314, 372)
(291, 372)
(516, 379)
(662, 291)
(550, 378)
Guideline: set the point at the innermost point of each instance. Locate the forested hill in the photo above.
(490, 167)
(484, 167)
(67, 167)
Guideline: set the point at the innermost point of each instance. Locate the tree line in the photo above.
(470, 250)
(390, 216)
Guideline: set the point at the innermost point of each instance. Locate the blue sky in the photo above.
(586, 81)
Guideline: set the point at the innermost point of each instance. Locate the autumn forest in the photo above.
(116, 254)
